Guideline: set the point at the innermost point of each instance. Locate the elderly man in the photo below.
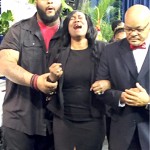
(126, 64)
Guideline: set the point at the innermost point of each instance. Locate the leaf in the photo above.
(31, 1)
(5, 18)
(99, 15)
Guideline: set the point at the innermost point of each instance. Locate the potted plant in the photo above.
(5, 19)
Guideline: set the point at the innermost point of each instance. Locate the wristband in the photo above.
(33, 82)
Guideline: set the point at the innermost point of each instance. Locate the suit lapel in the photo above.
(145, 66)
(63, 59)
(128, 58)
(64, 56)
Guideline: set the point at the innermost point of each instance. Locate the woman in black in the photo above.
(78, 115)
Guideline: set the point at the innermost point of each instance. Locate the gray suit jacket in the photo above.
(118, 65)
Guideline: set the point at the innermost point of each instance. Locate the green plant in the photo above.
(31, 1)
(99, 15)
(5, 19)
(106, 31)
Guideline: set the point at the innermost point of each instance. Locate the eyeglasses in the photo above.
(129, 30)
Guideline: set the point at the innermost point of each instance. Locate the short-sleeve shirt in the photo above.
(24, 108)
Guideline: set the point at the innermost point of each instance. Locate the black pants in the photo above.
(84, 135)
(135, 143)
(15, 140)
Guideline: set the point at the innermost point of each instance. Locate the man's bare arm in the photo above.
(11, 70)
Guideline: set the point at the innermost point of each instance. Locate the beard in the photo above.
(48, 19)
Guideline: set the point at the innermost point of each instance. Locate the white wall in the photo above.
(21, 9)
(2, 94)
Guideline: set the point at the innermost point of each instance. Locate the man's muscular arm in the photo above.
(11, 70)
(15, 73)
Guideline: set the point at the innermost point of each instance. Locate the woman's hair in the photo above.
(90, 35)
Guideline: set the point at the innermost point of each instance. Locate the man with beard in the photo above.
(27, 50)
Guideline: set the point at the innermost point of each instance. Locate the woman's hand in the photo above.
(100, 86)
(55, 72)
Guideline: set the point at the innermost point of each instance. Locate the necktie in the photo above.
(142, 46)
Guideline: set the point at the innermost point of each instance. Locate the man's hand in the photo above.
(100, 86)
(135, 96)
(44, 85)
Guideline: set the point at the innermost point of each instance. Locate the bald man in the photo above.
(126, 64)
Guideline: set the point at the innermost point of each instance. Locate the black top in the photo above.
(76, 87)
(80, 68)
